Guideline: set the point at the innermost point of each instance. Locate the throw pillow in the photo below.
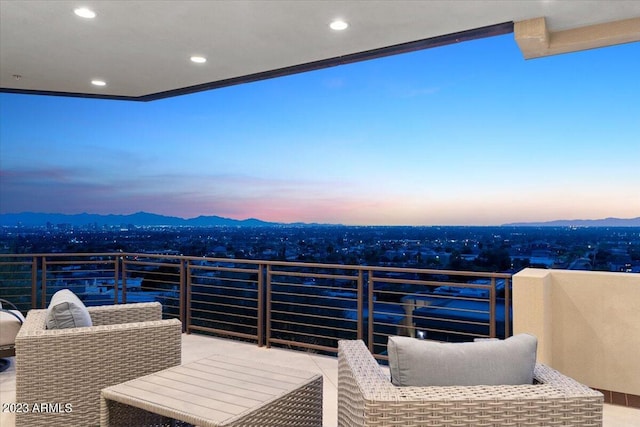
(67, 311)
(422, 363)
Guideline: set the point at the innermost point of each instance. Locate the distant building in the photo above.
(581, 264)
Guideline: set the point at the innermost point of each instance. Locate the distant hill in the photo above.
(138, 219)
(606, 222)
(31, 219)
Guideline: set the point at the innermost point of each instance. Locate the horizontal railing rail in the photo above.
(300, 305)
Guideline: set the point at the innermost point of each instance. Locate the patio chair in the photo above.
(366, 397)
(60, 372)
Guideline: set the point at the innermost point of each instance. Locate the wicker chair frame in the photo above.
(59, 373)
(366, 397)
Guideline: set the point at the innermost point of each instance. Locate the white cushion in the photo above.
(9, 326)
(67, 311)
(423, 363)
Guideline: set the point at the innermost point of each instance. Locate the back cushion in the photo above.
(67, 311)
(422, 363)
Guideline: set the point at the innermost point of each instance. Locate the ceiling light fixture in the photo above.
(198, 59)
(84, 12)
(338, 25)
(98, 82)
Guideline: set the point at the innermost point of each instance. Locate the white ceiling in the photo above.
(142, 48)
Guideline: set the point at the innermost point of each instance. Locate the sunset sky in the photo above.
(467, 134)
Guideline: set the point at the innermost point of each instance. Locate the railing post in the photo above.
(185, 300)
(268, 307)
(124, 280)
(116, 272)
(34, 282)
(370, 312)
(261, 299)
(360, 305)
(492, 308)
(185, 275)
(43, 298)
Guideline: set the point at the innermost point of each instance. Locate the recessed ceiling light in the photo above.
(338, 25)
(198, 59)
(83, 12)
(98, 82)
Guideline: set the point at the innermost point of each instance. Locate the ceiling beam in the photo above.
(535, 40)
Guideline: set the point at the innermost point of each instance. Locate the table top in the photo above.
(210, 391)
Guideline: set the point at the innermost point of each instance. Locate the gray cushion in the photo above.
(67, 311)
(422, 363)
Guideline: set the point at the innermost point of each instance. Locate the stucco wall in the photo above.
(587, 324)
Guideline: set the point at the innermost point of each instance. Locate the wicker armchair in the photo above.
(60, 372)
(366, 397)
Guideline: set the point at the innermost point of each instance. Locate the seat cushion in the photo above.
(67, 311)
(423, 363)
(10, 322)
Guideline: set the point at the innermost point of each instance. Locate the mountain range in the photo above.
(138, 219)
(606, 222)
(150, 219)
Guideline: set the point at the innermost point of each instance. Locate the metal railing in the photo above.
(299, 305)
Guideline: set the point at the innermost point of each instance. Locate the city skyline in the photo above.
(466, 134)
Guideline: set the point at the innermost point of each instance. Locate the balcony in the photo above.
(266, 310)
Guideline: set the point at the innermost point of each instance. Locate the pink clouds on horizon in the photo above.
(71, 191)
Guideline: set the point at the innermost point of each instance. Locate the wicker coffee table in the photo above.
(216, 391)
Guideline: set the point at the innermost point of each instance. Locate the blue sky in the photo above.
(467, 134)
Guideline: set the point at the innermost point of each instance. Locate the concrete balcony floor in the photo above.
(195, 347)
